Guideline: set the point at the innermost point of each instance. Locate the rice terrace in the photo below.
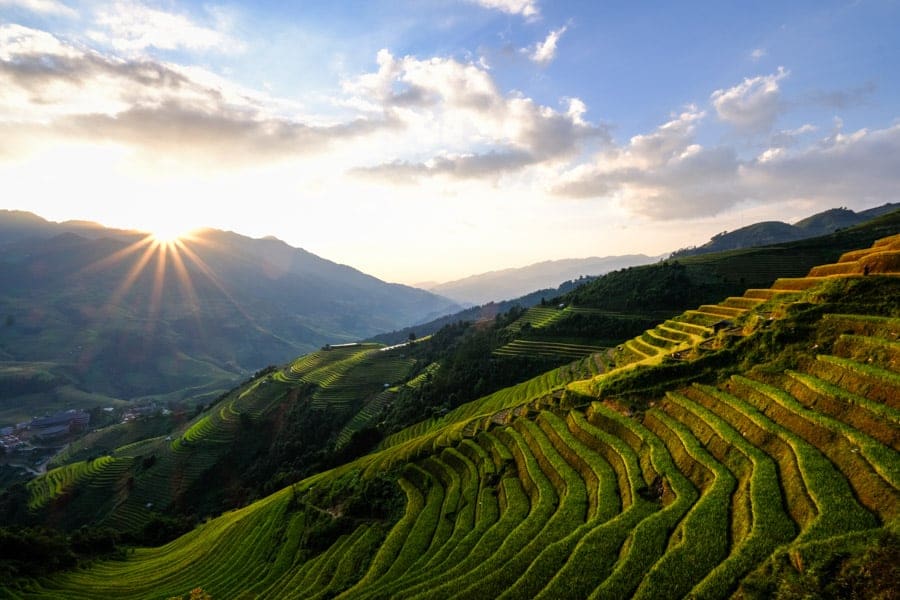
(703, 462)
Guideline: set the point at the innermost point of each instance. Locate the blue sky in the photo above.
(432, 139)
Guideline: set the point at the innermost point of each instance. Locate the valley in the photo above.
(739, 446)
(95, 316)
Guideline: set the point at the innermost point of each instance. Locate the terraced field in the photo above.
(140, 479)
(537, 317)
(547, 348)
(542, 491)
(367, 415)
(345, 374)
(44, 489)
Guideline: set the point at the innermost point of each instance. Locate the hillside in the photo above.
(752, 450)
(116, 315)
(506, 284)
(777, 232)
(608, 309)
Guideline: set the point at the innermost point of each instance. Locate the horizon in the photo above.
(173, 240)
(431, 141)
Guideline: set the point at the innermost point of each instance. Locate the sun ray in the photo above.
(186, 284)
(184, 278)
(136, 257)
(129, 280)
(115, 256)
(159, 281)
(211, 275)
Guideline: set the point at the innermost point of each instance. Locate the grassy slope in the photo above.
(171, 471)
(707, 465)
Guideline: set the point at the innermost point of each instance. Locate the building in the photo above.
(60, 424)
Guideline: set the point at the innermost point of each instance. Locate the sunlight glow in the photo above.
(152, 266)
(168, 234)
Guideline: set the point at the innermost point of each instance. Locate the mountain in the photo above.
(777, 232)
(743, 448)
(627, 301)
(113, 313)
(513, 283)
(331, 405)
(479, 314)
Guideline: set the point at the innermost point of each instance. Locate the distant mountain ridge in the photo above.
(506, 284)
(777, 232)
(105, 311)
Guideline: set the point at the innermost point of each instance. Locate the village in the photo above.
(31, 444)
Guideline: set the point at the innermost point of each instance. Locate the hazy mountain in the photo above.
(110, 312)
(513, 283)
(777, 232)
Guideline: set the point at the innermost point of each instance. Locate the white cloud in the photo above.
(440, 122)
(53, 90)
(667, 175)
(544, 52)
(409, 118)
(662, 175)
(526, 8)
(132, 27)
(861, 167)
(757, 54)
(45, 7)
(461, 122)
(753, 105)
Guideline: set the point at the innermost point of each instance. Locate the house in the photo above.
(60, 424)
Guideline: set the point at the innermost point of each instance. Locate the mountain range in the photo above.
(87, 309)
(512, 283)
(778, 232)
(506, 284)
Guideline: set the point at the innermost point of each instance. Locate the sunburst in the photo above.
(166, 254)
(167, 235)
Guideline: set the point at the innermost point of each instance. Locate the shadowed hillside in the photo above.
(119, 315)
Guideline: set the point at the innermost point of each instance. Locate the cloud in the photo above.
(662, 175)
(467, 166)
(427, 117)
(861, 167)
(55, 90)
(753, 105)
(418, 119)
(469, 128)
(544, 52)
(44, 7)
(131, 27)
(757, 53)
(210, 137)
(843, 99)
(791, 137)
(526, 8)
(666, 175)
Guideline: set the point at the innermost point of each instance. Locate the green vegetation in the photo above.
(97, 316)
(753, 459)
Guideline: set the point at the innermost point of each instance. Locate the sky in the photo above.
(428, 140)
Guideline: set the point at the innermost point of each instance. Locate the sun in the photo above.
(168, 234)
